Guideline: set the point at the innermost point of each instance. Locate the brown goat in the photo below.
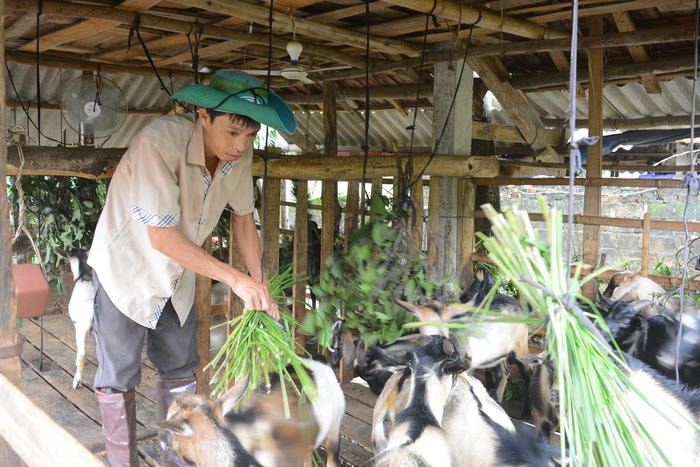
(208, 432)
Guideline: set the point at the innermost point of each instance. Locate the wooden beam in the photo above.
(625, 182)
(516, 105)
(283, 21)
(625, 23)
(35, 436)
(126, 17)
(98, 163)
(548, 81)
(670, 121)
(677, 33)
(483, 18)
(71, 33)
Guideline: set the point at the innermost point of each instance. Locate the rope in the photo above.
(135, 29)
(21, 216)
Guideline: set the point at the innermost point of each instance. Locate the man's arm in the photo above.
(174, 244)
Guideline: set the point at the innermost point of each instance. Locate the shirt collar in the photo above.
(195, 147)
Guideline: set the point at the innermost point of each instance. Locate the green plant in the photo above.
(361, 286)
(662, 269)
(60, 213)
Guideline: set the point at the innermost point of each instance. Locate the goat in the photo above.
(414, 436)
(632, 286)
(653, 339)
(477, 430)
(543, 398)
(209, 432)
(487, 342)
(379, 362)
(668, 411)
(81, 307)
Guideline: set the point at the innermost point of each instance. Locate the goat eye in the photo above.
(625, 322)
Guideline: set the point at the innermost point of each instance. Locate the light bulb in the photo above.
(294, 49)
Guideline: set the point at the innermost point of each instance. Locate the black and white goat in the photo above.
(652, 339)
(476, 429)
(412, 435)
(81, 307)
(484, 342)
(208, 432)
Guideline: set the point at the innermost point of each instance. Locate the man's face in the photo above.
(226, 138)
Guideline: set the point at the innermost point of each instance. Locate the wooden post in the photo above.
(466, 190)
(417, 199)
(300, 253)
(10, 342)
(352, 204)
(591, 202)
(202, 300)
(646, 240)
(434, 200)
(271, 224)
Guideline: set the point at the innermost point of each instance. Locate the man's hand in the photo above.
(255, 296)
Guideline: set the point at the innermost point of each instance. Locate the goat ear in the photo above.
(415, 310)
(233, 396)
(348, 348)
(175, 426)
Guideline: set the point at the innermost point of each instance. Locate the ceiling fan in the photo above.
(295, 71)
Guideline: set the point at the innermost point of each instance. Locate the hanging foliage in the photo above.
(361, 285)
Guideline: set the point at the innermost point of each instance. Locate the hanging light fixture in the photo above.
(294, 49)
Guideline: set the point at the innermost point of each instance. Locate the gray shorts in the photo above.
(171, 348)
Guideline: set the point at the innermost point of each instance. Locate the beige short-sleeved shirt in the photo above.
(162, 175)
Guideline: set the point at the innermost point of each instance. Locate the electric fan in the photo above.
(93, 106)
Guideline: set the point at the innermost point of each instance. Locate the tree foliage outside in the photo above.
(60, 213)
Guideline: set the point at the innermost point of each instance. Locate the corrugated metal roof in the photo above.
(389, 130)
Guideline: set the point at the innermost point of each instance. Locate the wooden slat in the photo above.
(72, 33)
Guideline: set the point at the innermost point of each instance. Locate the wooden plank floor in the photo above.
(50, 387)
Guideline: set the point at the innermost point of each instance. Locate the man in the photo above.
(164, 200)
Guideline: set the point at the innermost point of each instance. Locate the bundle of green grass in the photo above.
(606, 418)
(259, 347)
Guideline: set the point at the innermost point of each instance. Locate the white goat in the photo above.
(81, 307)
(209, 432)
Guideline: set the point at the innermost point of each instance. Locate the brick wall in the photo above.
(622, 245)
